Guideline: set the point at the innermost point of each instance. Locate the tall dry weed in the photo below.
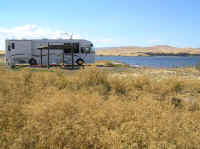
(92, 109)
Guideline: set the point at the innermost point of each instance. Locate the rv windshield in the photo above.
(92, 50)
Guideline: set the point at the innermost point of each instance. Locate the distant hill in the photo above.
(158, 50)
(2, 52)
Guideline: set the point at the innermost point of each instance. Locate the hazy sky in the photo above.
(105, 22)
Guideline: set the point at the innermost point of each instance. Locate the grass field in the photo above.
(96, 109)
(2, 57)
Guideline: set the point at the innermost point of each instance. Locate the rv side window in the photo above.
(76, 48)
(9, 48)
(82, 50)
(13, 45)
(85, 50)
(69, 50)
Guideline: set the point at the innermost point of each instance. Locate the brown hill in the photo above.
(159, 50)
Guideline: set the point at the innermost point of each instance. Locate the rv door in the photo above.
(8, 53)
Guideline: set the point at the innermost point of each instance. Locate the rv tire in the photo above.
(80, 62)
(32, 61)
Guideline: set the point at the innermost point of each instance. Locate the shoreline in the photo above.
(184, 55)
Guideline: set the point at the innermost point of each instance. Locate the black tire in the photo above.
(80, 62)
(32, 61)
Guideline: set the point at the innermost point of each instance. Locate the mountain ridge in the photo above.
(157, 50)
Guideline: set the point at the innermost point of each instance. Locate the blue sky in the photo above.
(105, 22)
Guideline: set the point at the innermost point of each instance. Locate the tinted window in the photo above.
(76, 48)
(85, 50)
(9, 48)
(69, 50)
(82, 50)
(13, 45)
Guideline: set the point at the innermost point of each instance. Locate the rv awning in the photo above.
(56, 47)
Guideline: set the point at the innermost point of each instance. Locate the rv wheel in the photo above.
(80, 62)
(32, 61)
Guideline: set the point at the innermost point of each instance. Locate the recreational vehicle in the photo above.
(28, 52)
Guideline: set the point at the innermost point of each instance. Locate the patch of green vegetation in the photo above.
(41, 70)
(29, 68)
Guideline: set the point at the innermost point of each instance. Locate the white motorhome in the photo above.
(27, 51)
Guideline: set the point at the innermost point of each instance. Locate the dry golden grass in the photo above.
(92, 109)
(2, 57)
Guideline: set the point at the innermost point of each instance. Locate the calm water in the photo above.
(155, 61)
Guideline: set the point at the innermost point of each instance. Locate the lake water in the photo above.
(154, 61)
